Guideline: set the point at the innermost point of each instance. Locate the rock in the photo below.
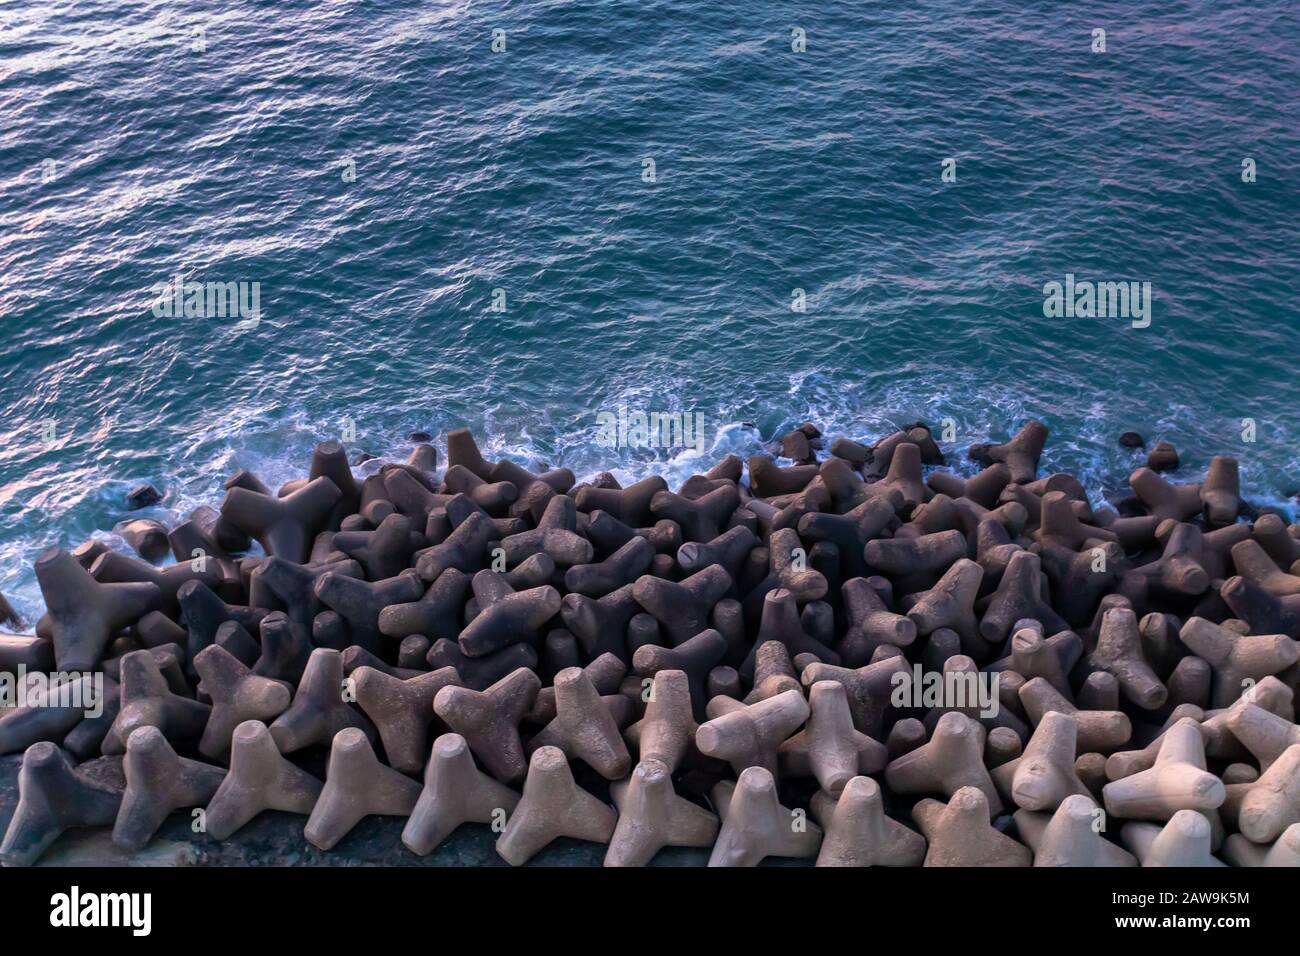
(1131, 440)
(142, 496)
(1164, 457)
(8, 616)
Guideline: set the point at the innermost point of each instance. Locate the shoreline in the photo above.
(741, 635)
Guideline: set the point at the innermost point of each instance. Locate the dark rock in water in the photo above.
(8, 616)
(362, 458)
(1131, 440)
(142, 496)
(1164, 457)
(419, 437)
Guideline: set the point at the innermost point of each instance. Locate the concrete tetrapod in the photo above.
(868, 689)
(1273, 803)
(148, 700)
(749, 735)
(583, 727)
(1180, 571)
(1051, 658)
(1285, 851)
(622, 567)
(286, 649)
(114, 568)
(1237, 658)
(320, 708)
(666, 732)
(489, 720)
(1177, 781)
(953, 760)
(1100, 731)
(829, 748)
(437, 615)
(402, 710)
(1044, 776)
(773, 672)
(157, 783)
(904, 475)
(600, 625)
(1184, 841)
(728, 550)
(85, 614)
(791, 568)
(552, 806)
(1020, 454)
(48, 713)
(455, 792)
(682, 607)
(606, 673)
(857, 832)
(465, 549)
(506, 616)
(53, 796)
(237, 695)
(357, 785)
(782, 622)
(360, 603)
(384, 552)
(1070, 836)
(903, 556)
(1266, 735)
(260, 778)
(701, 519)
(1119, 652)
(1018, 598)
(871, 624)
(696, 658)
(1162, 499)
(630, 505)
(1254, 564)
(652, 816)
(284, 527)
(951, 602)
(1264, 613)
(850, 531)
(480, 673)
(960, 834)
(756, 826)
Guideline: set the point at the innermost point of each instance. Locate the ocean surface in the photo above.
(386, 177)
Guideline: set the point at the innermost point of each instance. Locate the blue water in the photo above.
(522, 171)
